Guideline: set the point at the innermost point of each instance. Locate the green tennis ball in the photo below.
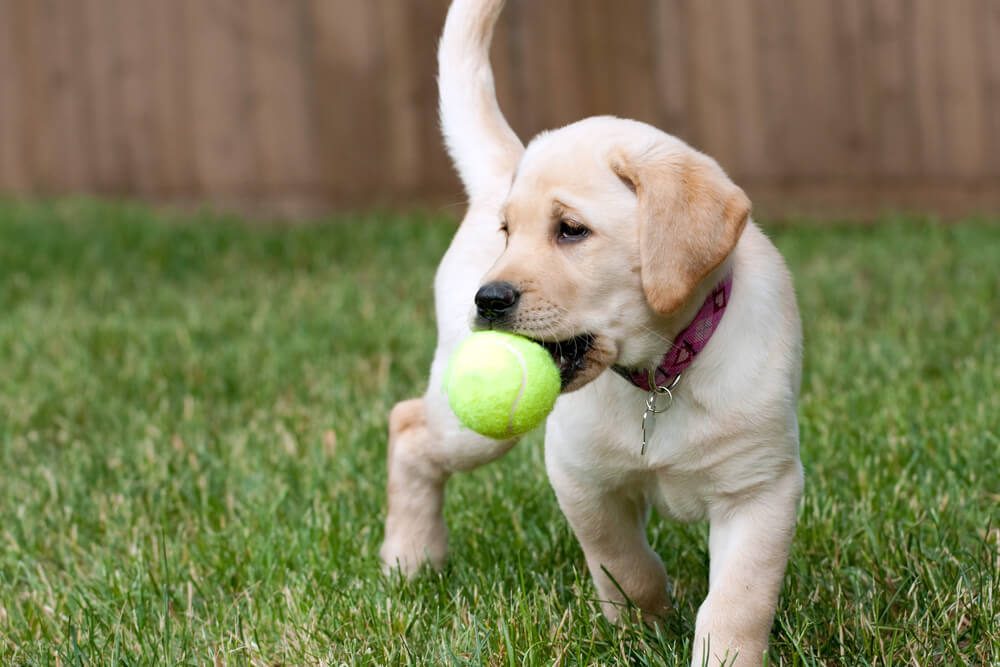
(501, 385)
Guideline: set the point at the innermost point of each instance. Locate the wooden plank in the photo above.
(400, 80)
(671, 64)
(105, 125)
(589, 37)
(712, 95)
(989, 37)
(348, 62)
(854, 86)
(503, 58)
(280, 118)
(961, 85)
(36, 144)
(13, 176)
(549, 81)
(814, 129)
(136, 77)
(563, 93)
(925, 54)
(78, 101)
(745, 113)
(169, 67)
(436, 173)
(59, 153)
(523, 15)
(780, 102)
(225, 154)
(524, 116)
(631, 59)
(70, 160)
(36, 139)
(897, 142)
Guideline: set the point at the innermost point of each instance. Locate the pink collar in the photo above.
(688, 343)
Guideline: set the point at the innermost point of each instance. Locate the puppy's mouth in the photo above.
(579, 359)
(570, 356)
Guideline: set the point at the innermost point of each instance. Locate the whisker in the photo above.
(449, 206)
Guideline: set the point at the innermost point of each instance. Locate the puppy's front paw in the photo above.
(729, 636)
(408, 548)
(638, 589)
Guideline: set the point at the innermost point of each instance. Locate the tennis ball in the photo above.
(501, 385)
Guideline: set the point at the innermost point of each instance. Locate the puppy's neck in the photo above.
(674, 323)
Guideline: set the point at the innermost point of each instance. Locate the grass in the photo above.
(192, 441)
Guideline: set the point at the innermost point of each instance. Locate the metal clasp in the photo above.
(653, 407)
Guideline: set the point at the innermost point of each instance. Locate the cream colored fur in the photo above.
(666, 224)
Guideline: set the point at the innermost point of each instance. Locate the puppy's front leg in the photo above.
(610, 526)
(749, 544)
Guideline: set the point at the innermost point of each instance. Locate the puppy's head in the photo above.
(611, 226)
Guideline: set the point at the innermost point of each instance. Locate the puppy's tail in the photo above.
(481, 143)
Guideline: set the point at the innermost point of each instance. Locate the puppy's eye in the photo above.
(570, 231)
(503, 228)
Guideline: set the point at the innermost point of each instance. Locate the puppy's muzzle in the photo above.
(496, 300)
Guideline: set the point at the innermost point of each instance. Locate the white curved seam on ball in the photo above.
(524, 381)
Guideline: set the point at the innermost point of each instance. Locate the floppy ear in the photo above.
(690, 218)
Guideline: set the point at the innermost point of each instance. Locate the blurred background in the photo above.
(300, 107)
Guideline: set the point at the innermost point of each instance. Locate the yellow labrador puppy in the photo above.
(632, 257)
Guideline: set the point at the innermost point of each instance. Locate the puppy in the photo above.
(632, 258)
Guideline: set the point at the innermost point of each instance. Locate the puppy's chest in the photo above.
(676, 475)
(679, 496)
(669, 440)
(679, 481)
(673, 479)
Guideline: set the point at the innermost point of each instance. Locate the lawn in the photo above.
(192, 440)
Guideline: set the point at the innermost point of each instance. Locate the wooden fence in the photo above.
(300, 105)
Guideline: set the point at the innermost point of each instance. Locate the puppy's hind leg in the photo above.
(425, 447)
(414, 528)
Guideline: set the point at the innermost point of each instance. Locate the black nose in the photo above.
(496, 299)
